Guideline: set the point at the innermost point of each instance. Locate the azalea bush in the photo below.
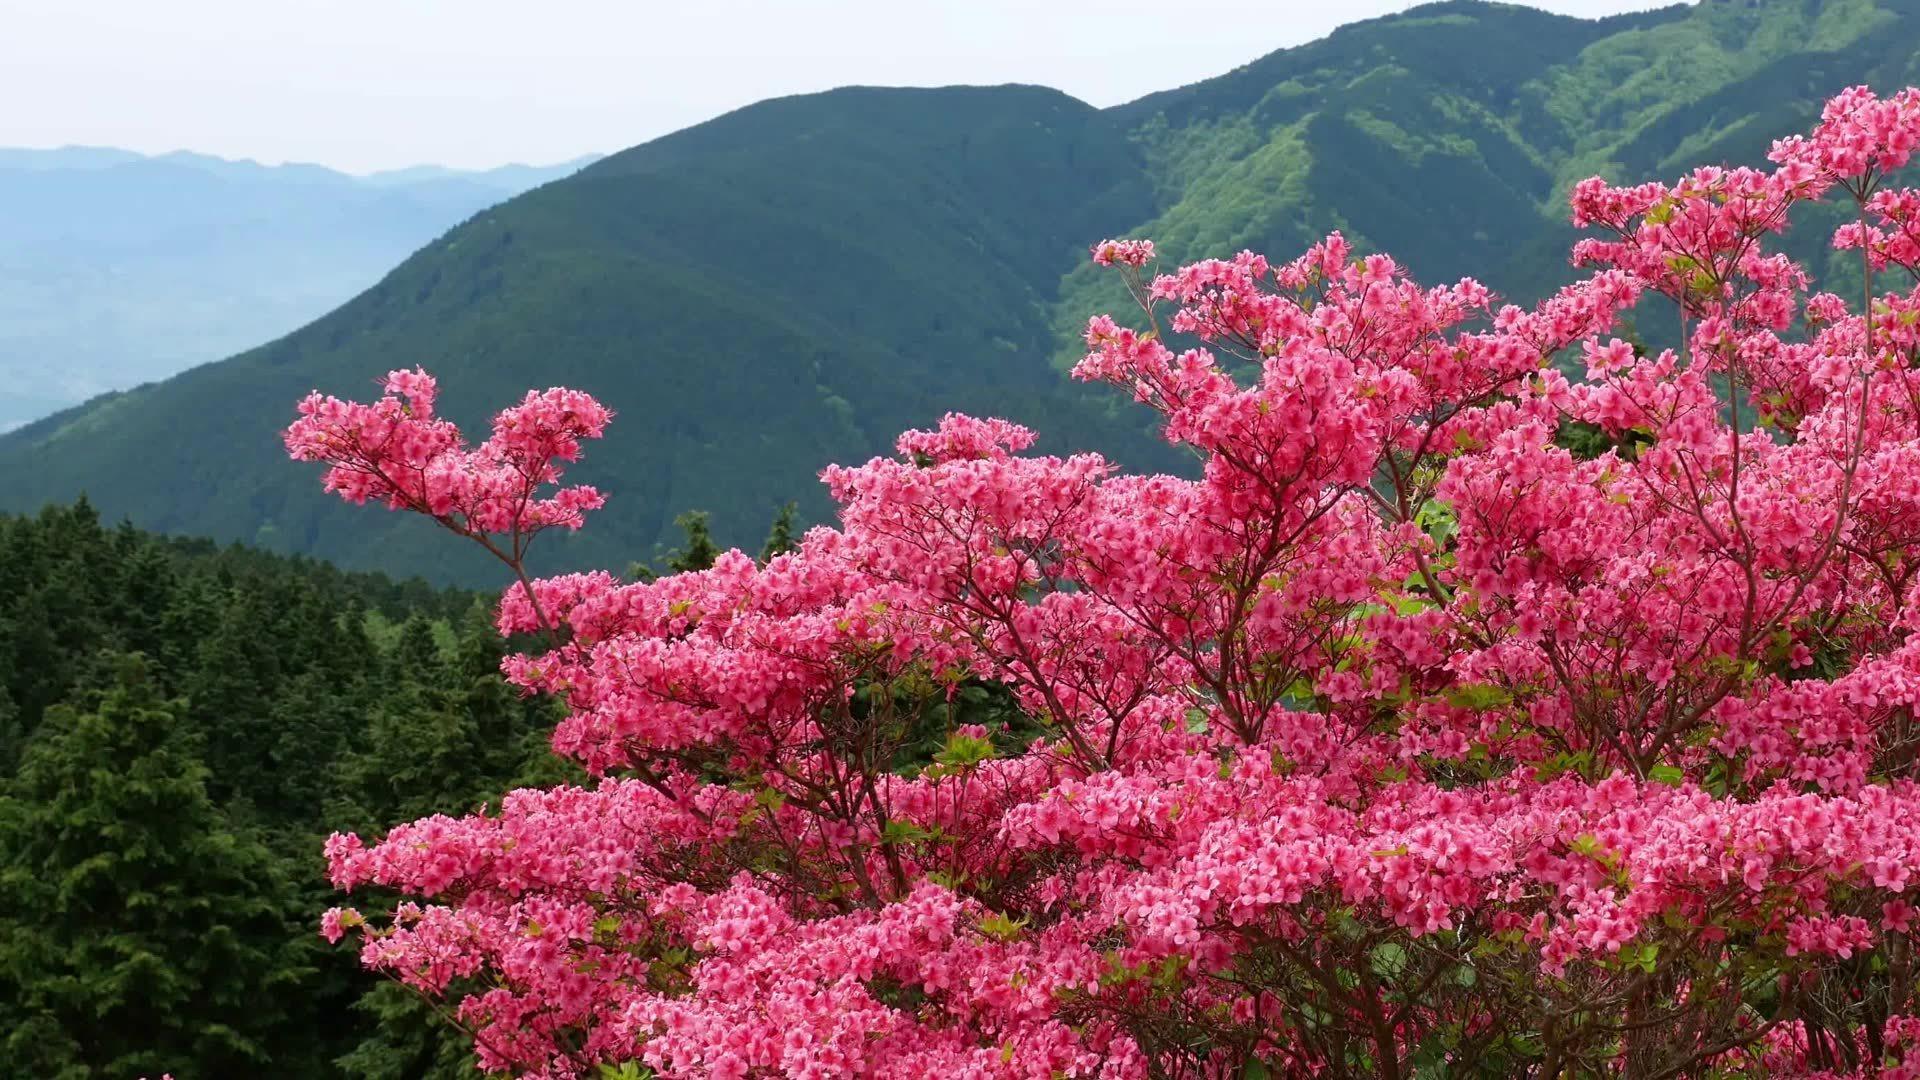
(1458, 718)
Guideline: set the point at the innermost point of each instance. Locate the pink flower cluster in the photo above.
(1123, 252)
(1410, 732)
(397, 451)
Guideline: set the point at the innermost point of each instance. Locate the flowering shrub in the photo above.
(1405, 739)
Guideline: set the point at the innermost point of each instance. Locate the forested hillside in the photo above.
(180, 727)
(794, 283)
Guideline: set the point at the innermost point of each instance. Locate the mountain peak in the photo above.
(796, 281)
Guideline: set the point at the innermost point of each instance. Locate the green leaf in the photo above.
(1477, 696)
(903, 832)
(1001, 928)
(965, 751)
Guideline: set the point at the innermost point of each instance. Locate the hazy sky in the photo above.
(370, 84)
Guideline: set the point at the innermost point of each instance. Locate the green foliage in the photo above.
(699, 550)
(139, 933)
(442, 735)
(408, 1042)
(180, 727)
(780, 538)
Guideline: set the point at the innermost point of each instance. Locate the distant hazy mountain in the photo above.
(118, 268)
(514, 178)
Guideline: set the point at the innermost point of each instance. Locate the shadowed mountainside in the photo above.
(794, 283)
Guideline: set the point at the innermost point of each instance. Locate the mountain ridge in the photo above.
(87, 156)
(794, 282)
(117, 267)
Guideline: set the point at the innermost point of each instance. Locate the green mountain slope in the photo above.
(1450, 135)
(794, 283)
(784, 287)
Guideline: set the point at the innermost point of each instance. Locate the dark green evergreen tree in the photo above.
(410, 1041)
(698, 551)
(139, 933)
(281, 699)
(13, 735)
(780, 538)
(421, 752)
(235, 678)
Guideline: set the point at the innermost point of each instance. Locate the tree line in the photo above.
(181, 726)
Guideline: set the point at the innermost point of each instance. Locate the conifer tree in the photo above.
(13, 736)
(410, 1041)
(230, 693)
(421, 751)
(139, 934)
(699, 550)
(780, 538)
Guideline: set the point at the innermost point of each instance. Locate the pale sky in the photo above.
(372, 84)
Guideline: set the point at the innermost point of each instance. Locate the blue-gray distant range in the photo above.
(117, 268)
